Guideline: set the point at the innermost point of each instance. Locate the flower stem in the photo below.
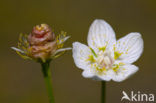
(103, 92)
(47, 78)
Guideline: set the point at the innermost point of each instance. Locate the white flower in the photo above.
(105, 58)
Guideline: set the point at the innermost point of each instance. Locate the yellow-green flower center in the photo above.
(103, 60)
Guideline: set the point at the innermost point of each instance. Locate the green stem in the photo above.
(103, 92)
(47, 78)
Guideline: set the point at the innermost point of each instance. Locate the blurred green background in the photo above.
(21, 80)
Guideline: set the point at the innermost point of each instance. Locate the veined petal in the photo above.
(130, 47)
(124, 72)
(80, 54)
(100, 35)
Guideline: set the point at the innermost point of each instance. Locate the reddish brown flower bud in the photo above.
(42, 42)
(41, 34)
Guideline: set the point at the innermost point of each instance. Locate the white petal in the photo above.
(88, 73)
(131, 46)
(91, 73)
(100, 34)
(80, 55)
(107, 76)
(124, 72)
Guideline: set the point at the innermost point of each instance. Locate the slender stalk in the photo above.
(103, 92)
(48, 82)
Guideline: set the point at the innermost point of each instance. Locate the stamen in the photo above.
(115, 69)
(91, 59)
(117, 54)
(102, 48)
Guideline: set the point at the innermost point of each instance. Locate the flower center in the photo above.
(104, 60)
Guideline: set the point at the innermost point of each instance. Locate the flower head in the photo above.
(105, 58)
(41, 44)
